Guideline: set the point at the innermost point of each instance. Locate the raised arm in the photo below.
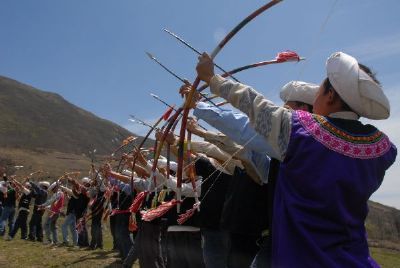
(187, 188)
(138, 183)
(235, 125)
(68, 191)
(271, 121)
(139, 165)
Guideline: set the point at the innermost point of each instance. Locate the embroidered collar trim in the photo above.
(335, 139)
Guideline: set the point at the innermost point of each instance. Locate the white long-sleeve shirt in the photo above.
(271, 121)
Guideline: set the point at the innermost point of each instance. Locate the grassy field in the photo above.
(18, 253)
(387, 258)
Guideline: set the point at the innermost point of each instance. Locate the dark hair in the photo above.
(327, 87)
(300, 103)
(369, 72)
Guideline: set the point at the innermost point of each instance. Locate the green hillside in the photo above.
(35, 119)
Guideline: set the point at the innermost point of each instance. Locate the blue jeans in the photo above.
(215, 248)
(7, 215)
(122, 237)
(50, 227)
(70, 222)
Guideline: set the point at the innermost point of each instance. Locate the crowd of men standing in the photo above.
(275, 187)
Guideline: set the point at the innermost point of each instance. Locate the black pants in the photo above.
(184, 250)
(124, 242)
(21, 222)
(112, 229)
(132, 256)
(83, 237)
(35, 226)
(243, 250)
(96, 232)
(148, 245)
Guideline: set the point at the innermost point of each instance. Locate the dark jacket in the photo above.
(213, 190)
(246, 205)
(39, 194)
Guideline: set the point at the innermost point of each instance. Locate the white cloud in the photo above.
(140, 129)
(388, 193)
(219, 34)
(376, 48)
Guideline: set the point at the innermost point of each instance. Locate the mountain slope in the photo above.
(32, 119)
(383, 222)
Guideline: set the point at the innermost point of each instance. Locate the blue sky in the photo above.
(93, 52)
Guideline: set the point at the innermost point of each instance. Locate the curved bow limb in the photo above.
(195, 84)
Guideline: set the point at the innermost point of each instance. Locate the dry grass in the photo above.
(386, 258)
(21, 253)
(55, 163)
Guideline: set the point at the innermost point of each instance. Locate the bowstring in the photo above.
(223, 165)
(317, 38)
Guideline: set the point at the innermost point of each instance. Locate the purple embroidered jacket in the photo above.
(331, 168)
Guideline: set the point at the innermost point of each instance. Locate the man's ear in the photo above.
(332, 96)
(303, 107)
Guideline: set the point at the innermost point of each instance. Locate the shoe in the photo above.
(63, 244)
(8, 238)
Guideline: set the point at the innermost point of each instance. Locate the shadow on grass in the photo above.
(115, 264)
(96, 255)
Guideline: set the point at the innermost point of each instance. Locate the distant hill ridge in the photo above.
(32, 119)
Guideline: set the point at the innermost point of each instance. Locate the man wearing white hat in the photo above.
(330, 163)
(353, 88)
(299, 95)
(23, 209)
(9, 201)
(296, 95)
(54, 205)
(77, 203)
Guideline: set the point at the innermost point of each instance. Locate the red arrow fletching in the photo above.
(287, 56)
